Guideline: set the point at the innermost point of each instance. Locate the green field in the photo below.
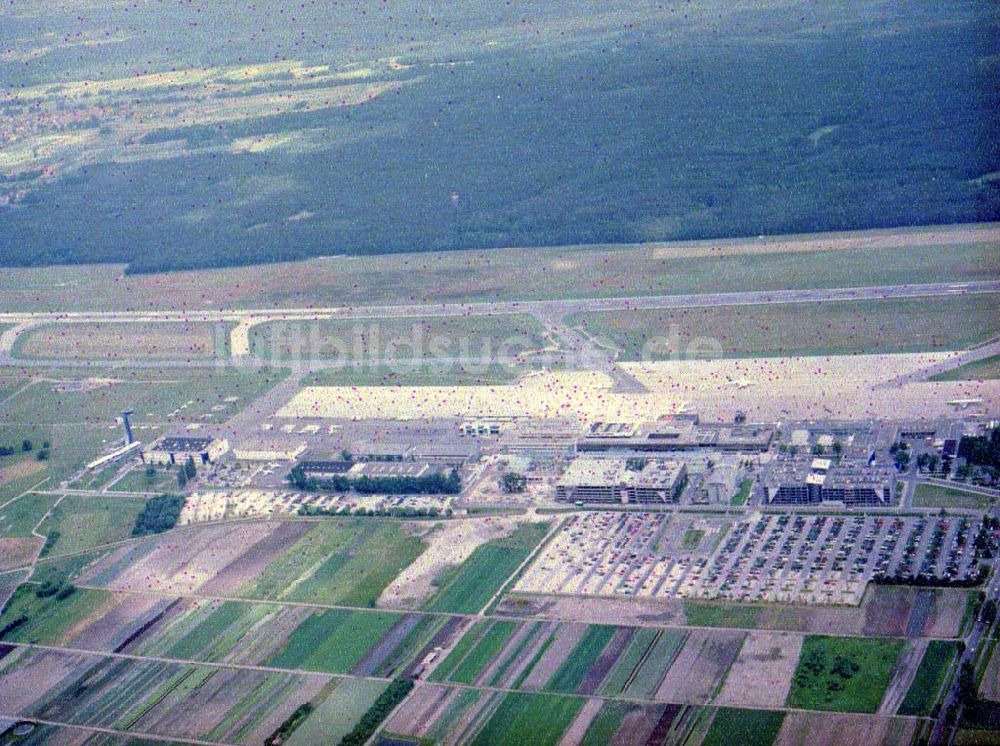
(745, 727)
(210, 637)
(336, 715)
(173, 396)
(48, 619)
(123, 342)
(537, 273)
(843, 674)
(21, 516)
(85, 522)
(379, 340)
(538, 719)
(164, 480)
(721, 615)
(880, 326)
(405, 374)
(571, 673)
(444, 669)
(486, 570)
(987, 369)
(340, 561)
(485, 650)
(929, 679)
(71, 446)
(95, 480)
(22, 471)
(938, 496)
(603, 727)
(333, 641)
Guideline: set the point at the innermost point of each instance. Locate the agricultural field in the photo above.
(153, 697)
(930, 679)
(938, 496)
(762, 673)
(336, 561)
(866, 327)
(749, 727)
(834, 729)
(528, 718)
(442, 714)
(78, 523)
(884, 611)
(337, 712)
(475, 338)
(571, 658)
(48, 620)
(469, 588)
(843, 674)
(346, 561)
(114, 341)
(335, 640)
(700, 614)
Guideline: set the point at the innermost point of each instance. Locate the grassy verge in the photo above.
(987, 369)
(868, 326)
(938, 496)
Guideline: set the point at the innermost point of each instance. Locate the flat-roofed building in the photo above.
(383, 450)
(802, 482)
(595, 480)
(176, 449)
(319, 469)
(447, 453)
(383, 469)
(720, 484)
(549, 438)
(675, 436)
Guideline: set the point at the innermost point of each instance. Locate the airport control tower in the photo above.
(129, 438)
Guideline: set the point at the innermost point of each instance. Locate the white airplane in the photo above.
(741, 383)
(964, 403)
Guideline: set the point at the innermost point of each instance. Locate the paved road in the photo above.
(552, 308)
(548, 309)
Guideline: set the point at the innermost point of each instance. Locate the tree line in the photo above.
(159, 514)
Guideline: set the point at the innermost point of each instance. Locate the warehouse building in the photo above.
(176, 449)
(594, 480)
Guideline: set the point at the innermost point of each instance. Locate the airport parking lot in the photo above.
(216, 505)
(820, 559)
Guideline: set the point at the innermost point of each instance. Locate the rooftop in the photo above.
(182, 444)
